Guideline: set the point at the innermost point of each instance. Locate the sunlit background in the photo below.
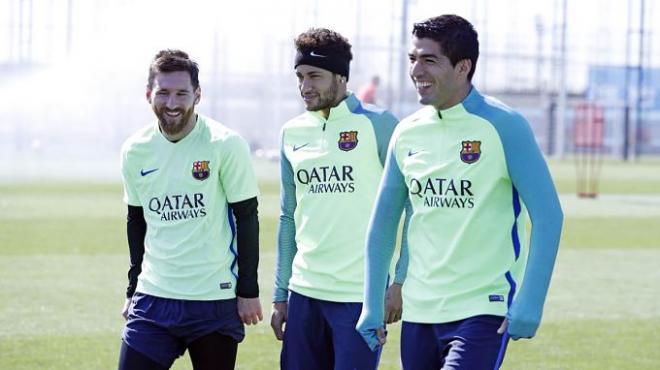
(586, 74)
(72, 72)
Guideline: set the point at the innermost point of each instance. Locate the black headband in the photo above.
(327, 61)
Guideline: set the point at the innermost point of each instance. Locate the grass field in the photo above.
(63, 261)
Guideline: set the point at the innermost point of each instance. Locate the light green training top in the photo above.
(330, 174)
(471, 172)
(462, 254)
(184, 189)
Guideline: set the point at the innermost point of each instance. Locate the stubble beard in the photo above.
(173, 127)
(326, 99)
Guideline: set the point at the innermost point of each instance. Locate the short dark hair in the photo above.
(457, 38)
(324, 40)
(173, 60)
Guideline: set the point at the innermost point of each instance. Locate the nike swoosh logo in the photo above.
(295, 148)
(145, 173)
(317, 55)
(411, 153)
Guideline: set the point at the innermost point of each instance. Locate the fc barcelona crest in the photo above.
(200, 170)
(347, 140)
(471, 151)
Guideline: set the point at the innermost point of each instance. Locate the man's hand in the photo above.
(393, 304)
(372, 330)
(503, 327)
(520, 323)
(381, 334)
(124, 311)
(277, 319)
(249, 310)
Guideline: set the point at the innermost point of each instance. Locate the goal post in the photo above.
(588, 135)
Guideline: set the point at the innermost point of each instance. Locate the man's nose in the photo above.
(415, 69)
(305, 85)
(172, 101)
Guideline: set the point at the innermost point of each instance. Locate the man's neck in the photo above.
(326, 112)
(460, 95)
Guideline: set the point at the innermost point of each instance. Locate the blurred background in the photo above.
(72, 72)
(585, 73)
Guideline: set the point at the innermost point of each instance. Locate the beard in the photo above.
(173, 126)
(326, 99)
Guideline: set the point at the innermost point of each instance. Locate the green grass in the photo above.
(63, 262)
(583, 344)
(615, 232)
(615, 177)
(588, 344)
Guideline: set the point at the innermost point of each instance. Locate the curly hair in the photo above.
(457, 38)
(324, 40)
(172, 60)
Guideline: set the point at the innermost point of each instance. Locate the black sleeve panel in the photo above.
(247, 239)
(136, 229)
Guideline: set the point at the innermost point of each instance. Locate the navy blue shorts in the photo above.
(471, 344)
(321, 335)
(162, 328)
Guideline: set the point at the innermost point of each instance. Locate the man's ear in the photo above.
(464, 66)
(148, 95)
(198, 95)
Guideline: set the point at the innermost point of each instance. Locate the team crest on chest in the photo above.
(347, 140)
(200, 170)
(471, 151)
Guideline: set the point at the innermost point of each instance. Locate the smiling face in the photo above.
(320, 89)
(173, 99)
(437, 82)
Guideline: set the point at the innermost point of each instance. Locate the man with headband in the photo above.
(331, 162)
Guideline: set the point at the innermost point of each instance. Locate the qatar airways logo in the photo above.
(178, 206)
(443, 193)
(327, 179)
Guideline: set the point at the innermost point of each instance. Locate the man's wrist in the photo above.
(280, 295)
(247, 295)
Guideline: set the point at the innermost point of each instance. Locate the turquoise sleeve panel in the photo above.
(286, 232)
(383, 133)
(383, 123)
(401, 268)
(532, 181)
(381, 236)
